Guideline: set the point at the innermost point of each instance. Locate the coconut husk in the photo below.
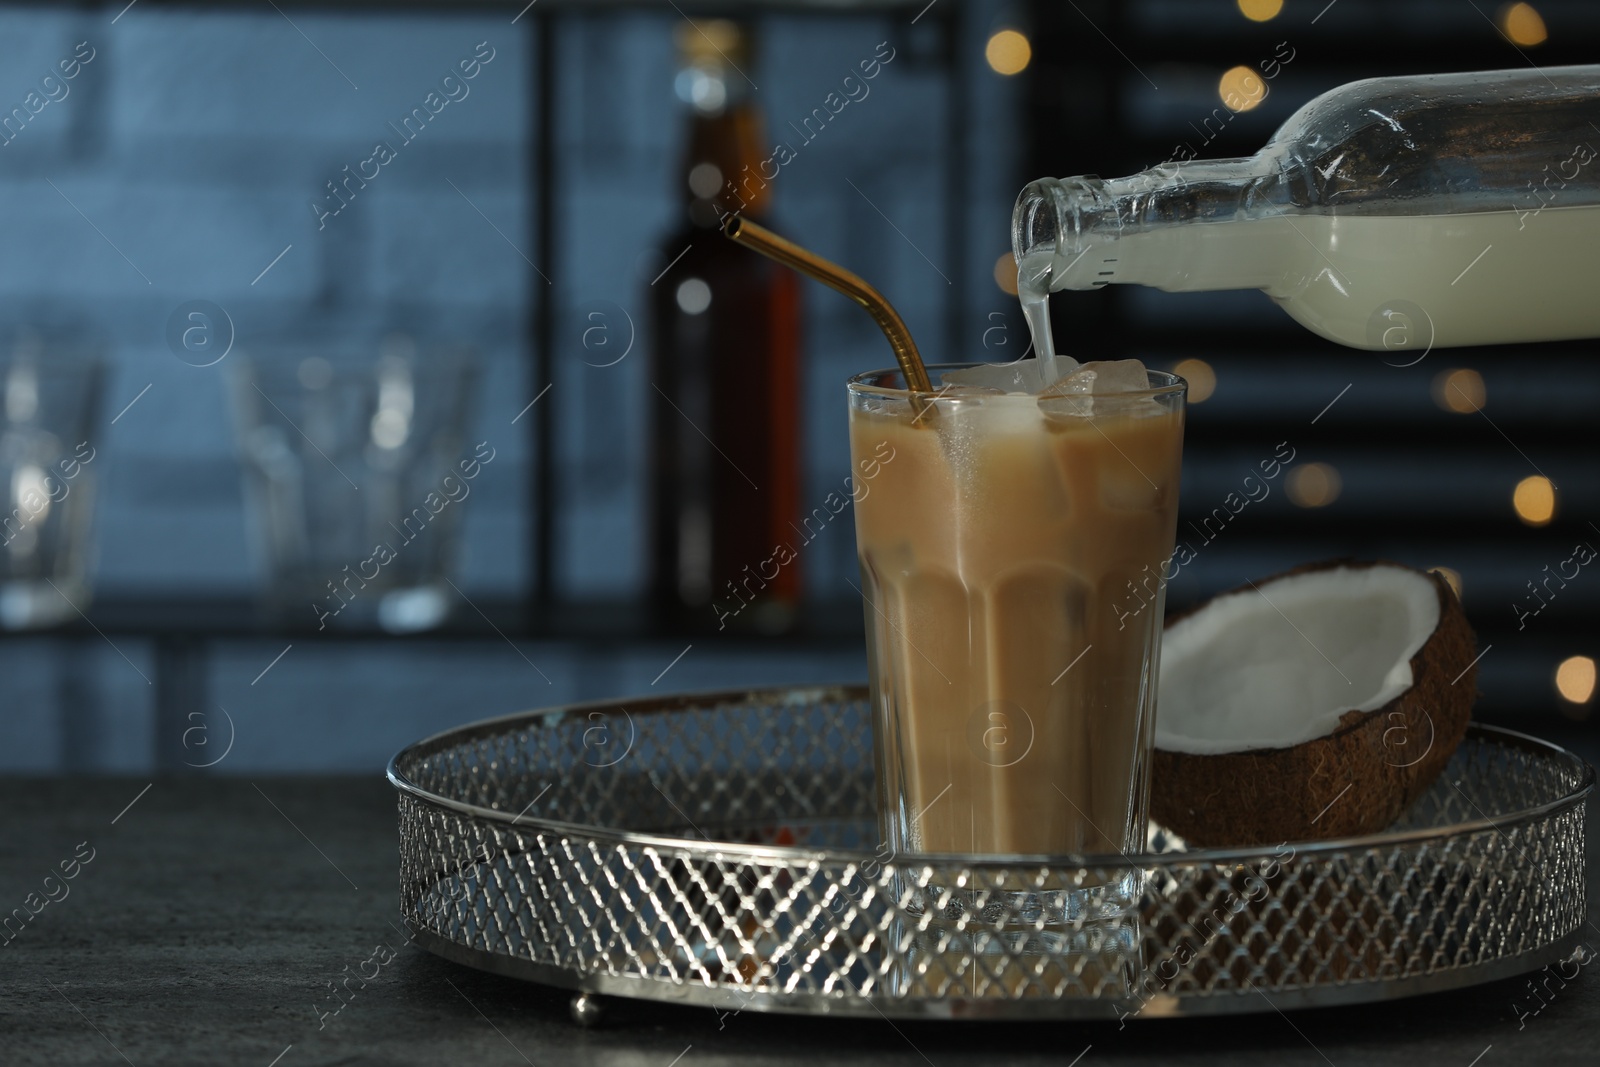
(1357, 780)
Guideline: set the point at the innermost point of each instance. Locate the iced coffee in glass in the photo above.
(1011, 550)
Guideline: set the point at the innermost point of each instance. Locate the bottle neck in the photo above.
(722, 166)
(721, 163)
(1085, 232)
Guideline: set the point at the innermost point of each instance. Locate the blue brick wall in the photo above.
(195, 143)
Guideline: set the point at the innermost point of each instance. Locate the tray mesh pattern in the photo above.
(720, 849)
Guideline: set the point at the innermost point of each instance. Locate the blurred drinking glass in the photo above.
(51, 390)
(357, 474)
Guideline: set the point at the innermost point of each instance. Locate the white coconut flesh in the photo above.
(1279, 666)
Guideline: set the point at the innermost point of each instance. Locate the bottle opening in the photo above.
(1052, 217)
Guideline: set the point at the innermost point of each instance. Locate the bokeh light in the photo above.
(1008, 52)
(1005, 273)
(693, 295)
(1312, 485)
(1575, 678)
(1460, 390)
(1523, 25)
(1535, 500)
(1241, 88)
(705, 180)
(1260, 10)
(1201, 378)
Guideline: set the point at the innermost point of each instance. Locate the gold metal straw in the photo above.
(835, 277)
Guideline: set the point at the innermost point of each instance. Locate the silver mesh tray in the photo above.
(721, 849)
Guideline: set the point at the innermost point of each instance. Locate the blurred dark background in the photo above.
(181, 166)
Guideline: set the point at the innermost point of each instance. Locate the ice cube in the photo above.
(1080, 382)
(1093, 389)
(972, 433)
(1004, 377)
(1124, 487)
(894, 407)
(990, 418)
(1070, 396)
(1102, 376)
(1019, 376)
(1118, 376)
(957, 391)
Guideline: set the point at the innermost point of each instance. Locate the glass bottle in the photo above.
(726, 325)
(1390, 213)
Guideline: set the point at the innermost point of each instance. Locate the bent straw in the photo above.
(769, 244)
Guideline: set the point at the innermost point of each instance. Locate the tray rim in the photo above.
(737, 997)
(957, 1009)
(805, 695)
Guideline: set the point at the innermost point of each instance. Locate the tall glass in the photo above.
(1012, 550)
(49, 404)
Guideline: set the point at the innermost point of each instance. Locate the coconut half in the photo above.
(1317, 703)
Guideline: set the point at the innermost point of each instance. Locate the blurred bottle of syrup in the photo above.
(725, 371)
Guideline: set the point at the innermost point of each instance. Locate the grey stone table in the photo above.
(204, 924)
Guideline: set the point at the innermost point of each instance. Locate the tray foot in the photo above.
(586, 1009)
